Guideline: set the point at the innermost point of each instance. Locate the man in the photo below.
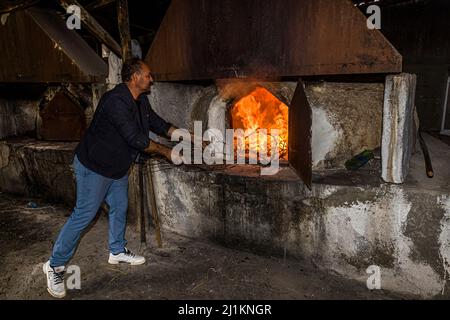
(118, 132)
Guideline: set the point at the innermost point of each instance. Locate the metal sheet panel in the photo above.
(37, 46)
(62, 119)
(267, 38)
(300, 124)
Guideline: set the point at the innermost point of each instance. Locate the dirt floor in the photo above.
(182, 269)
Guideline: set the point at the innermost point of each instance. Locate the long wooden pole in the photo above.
(151, 200)
(141, 206)
(426, 156)
(94, 27)
(98, 4)
(124, 28)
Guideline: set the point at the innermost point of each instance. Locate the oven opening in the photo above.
(263, 120)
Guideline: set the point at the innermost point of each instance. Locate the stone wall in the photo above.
(33, 168)
(18, 117)
(181, 104)
(341, 227)
(347, 118)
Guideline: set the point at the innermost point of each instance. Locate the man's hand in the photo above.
(157, 148)
(170, 131)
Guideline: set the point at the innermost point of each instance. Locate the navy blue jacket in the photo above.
(116, 134)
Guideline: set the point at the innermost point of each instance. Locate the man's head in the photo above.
(136, 73)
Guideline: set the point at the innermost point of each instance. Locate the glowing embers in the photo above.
(256, 112)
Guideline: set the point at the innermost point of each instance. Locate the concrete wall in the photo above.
(347, 118)
(430, 93)
(417, 31)
(181, 104)
(19, 106)
(403, 230)
(18, 117)
(38, 169)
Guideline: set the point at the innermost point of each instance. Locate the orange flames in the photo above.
(261, 110)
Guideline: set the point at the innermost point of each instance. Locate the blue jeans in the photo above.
(92, 189)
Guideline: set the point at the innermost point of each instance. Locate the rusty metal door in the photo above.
(300, 125)
(62, 119)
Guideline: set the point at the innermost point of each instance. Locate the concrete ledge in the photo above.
(35, 168)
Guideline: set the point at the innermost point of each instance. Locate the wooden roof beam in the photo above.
(94, 27)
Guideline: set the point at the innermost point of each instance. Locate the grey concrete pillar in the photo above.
(398, 133)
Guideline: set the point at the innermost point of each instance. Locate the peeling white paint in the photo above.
(216, 114)
(444, 237)
(181, 217)
(176, 102)
(324, 191)
(351, 229)
(408, 275)
(114, 70)
(397, 134)
(324, 136)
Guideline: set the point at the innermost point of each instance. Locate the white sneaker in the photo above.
(55, 280)
(126, 257)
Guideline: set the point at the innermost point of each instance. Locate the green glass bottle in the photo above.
(359, 160)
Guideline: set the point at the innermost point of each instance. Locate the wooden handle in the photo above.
(426, 155)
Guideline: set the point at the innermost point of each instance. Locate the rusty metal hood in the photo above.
(213, 39)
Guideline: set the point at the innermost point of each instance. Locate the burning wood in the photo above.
(260, 110)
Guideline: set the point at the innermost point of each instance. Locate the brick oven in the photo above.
(315, 71)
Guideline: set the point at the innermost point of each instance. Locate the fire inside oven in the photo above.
(264, 121)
